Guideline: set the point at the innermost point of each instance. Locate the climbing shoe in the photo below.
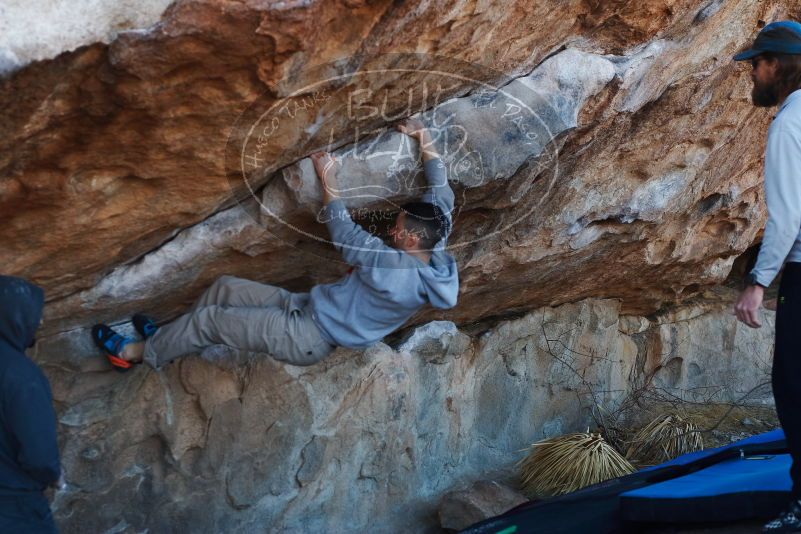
(112, 343)
(144, 325)
(788, 521)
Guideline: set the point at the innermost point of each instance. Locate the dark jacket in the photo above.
(28, 448)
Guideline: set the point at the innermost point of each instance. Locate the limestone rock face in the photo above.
(645, 189)
(606, 161)
(232, 442)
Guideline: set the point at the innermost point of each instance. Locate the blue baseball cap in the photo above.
(783, 37)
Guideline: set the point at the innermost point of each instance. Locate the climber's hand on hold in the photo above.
(747, 307)
(325, 167)
(415, 129)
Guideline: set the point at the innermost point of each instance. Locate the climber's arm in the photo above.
(357, 246)
(439, 191)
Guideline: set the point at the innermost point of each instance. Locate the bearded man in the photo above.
(776, 60)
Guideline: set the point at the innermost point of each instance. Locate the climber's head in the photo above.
(418, 227)
(775, 57)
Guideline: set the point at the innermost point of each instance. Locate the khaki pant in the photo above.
(244, 315)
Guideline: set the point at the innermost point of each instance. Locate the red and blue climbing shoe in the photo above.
(144, 325)
(111, 343)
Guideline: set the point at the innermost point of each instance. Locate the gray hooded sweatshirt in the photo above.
(386, 286)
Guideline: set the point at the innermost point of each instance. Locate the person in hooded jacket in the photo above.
(29, 460)
(385, 286)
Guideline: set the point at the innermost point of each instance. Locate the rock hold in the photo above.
(483, 500)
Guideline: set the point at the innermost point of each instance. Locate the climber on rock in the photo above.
(384, 288)
(776, 61)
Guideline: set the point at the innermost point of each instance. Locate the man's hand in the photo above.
(747, 307)
(59, 484)
(415, 129)
(325, 167)
(55, 486)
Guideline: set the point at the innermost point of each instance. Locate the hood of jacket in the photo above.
(441, 280)
(21, 305)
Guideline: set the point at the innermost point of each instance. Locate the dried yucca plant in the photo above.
(559, 465)
(663, 439)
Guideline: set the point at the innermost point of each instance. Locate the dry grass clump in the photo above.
(664, 438)
(559, 465)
